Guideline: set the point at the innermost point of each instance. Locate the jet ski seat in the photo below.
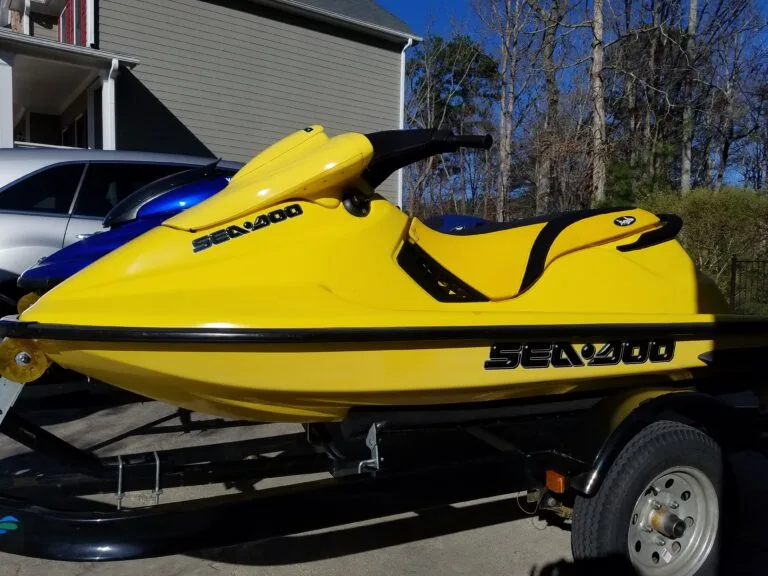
(500, 260)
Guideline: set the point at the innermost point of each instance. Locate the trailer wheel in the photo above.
(659, 505)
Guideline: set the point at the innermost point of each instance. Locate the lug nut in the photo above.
(655, 504)
(23, 358)
(659, 540)
(674, 505)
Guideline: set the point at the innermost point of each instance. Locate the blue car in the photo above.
(141, 211)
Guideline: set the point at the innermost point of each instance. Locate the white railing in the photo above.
(21, 144)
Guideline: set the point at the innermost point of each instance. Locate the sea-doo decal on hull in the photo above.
(508, 356)
(230, 232)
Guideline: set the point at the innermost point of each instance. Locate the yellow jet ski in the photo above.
(298, 293)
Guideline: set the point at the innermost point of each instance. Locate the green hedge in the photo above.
(718, 226)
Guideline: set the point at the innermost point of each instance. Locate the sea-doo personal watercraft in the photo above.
(146, 208)
(582, 348)
(298, 293)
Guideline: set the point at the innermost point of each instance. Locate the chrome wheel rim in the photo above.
(655, 543)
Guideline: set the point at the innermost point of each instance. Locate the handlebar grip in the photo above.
(483, 142)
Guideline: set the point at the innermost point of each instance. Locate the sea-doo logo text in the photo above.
(262, 221)
(564, 355)
(624, 221)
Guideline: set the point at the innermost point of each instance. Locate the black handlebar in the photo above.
(481, 142)
(394, 149)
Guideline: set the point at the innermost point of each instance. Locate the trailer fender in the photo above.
(728, 419)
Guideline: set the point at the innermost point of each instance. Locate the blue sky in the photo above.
(418, 14)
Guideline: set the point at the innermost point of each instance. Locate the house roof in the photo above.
(364, 11)
(365, 15)
(18, 43)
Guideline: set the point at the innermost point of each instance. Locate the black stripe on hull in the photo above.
(560, 332)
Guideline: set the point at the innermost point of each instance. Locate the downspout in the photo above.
(108, 116)
(402, 116)
(90, 23)
(25, 16)
(6, 100)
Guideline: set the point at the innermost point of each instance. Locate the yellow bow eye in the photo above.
(21, 361)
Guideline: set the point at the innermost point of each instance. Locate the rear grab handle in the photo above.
(671, 225)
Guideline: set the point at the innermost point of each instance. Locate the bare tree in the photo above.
(451, 83)
(736, 62)
(509, 22)
(438, 73)
(509, 61)
(687, 129)
(598, 101)
(598, 104)
(551, 18)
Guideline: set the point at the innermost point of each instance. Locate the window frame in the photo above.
(47, 167)
(70, 213)
(76, 23)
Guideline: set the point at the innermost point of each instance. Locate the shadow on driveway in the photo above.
(745, 549)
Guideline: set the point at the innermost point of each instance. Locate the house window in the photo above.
(73, 23)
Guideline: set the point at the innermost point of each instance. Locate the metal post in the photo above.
(108, 120)
(6, 100)
(732, 295)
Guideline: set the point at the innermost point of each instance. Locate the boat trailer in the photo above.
(382, 462)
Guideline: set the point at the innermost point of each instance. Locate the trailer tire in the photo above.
(606, 524)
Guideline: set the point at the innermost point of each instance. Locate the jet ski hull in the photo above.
(319, 375)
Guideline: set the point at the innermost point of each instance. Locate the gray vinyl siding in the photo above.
(43, 27)
(238, 80)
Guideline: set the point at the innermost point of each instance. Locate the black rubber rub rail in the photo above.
(557, 332)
